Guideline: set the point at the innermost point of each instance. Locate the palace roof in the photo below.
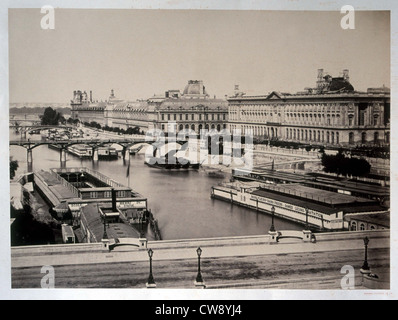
(131, 106)
(194, 104)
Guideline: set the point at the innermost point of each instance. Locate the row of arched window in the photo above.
(200, 127)
(328, 119)
(192, 117)
(361, 227)
(313, 135)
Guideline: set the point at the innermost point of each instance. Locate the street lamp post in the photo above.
(105, 239)
(105, 236)
(306, 218)
(199, 280)
(272, 229)
(307, 234)
(365, 267)
(151, 282)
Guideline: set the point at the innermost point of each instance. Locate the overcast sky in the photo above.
(142, 52)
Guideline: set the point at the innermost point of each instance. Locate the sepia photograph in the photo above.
(185, 146)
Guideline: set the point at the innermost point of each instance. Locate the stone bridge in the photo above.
(26, 128)
(126, 144)
(17, 121)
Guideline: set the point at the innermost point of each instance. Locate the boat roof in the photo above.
(319, 200)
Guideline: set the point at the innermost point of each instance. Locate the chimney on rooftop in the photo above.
(345, 75)
(91, 96)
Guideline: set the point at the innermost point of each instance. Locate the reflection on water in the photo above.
(179, 200)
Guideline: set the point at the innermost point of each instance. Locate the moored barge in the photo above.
(319, 209)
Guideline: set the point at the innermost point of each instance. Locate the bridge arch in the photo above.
(162, 150)
(20, 145)
(125, 242)
(30, 128)
(132, 144)
(115, 245)
(37, 144)
(305, 236)
(23, 123)
(139, 146)
(28, 145)
(34, 146)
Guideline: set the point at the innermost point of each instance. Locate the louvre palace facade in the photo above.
(332, 113)
(191, 110)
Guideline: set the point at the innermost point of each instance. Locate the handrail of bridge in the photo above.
(39, 126)
(102, 177)
(65, 183)
(73, 141)
(95, 174)
(89, 141)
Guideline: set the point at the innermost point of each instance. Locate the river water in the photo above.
(179, 200)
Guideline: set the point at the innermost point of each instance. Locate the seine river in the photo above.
(179, 200)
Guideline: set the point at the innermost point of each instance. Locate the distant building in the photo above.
(86, 109)
(127, 114)
(331, 114)
(368, 221)
(193, 109)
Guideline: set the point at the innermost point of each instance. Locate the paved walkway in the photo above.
(321, 270)
(240, 262)
(186, 249)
